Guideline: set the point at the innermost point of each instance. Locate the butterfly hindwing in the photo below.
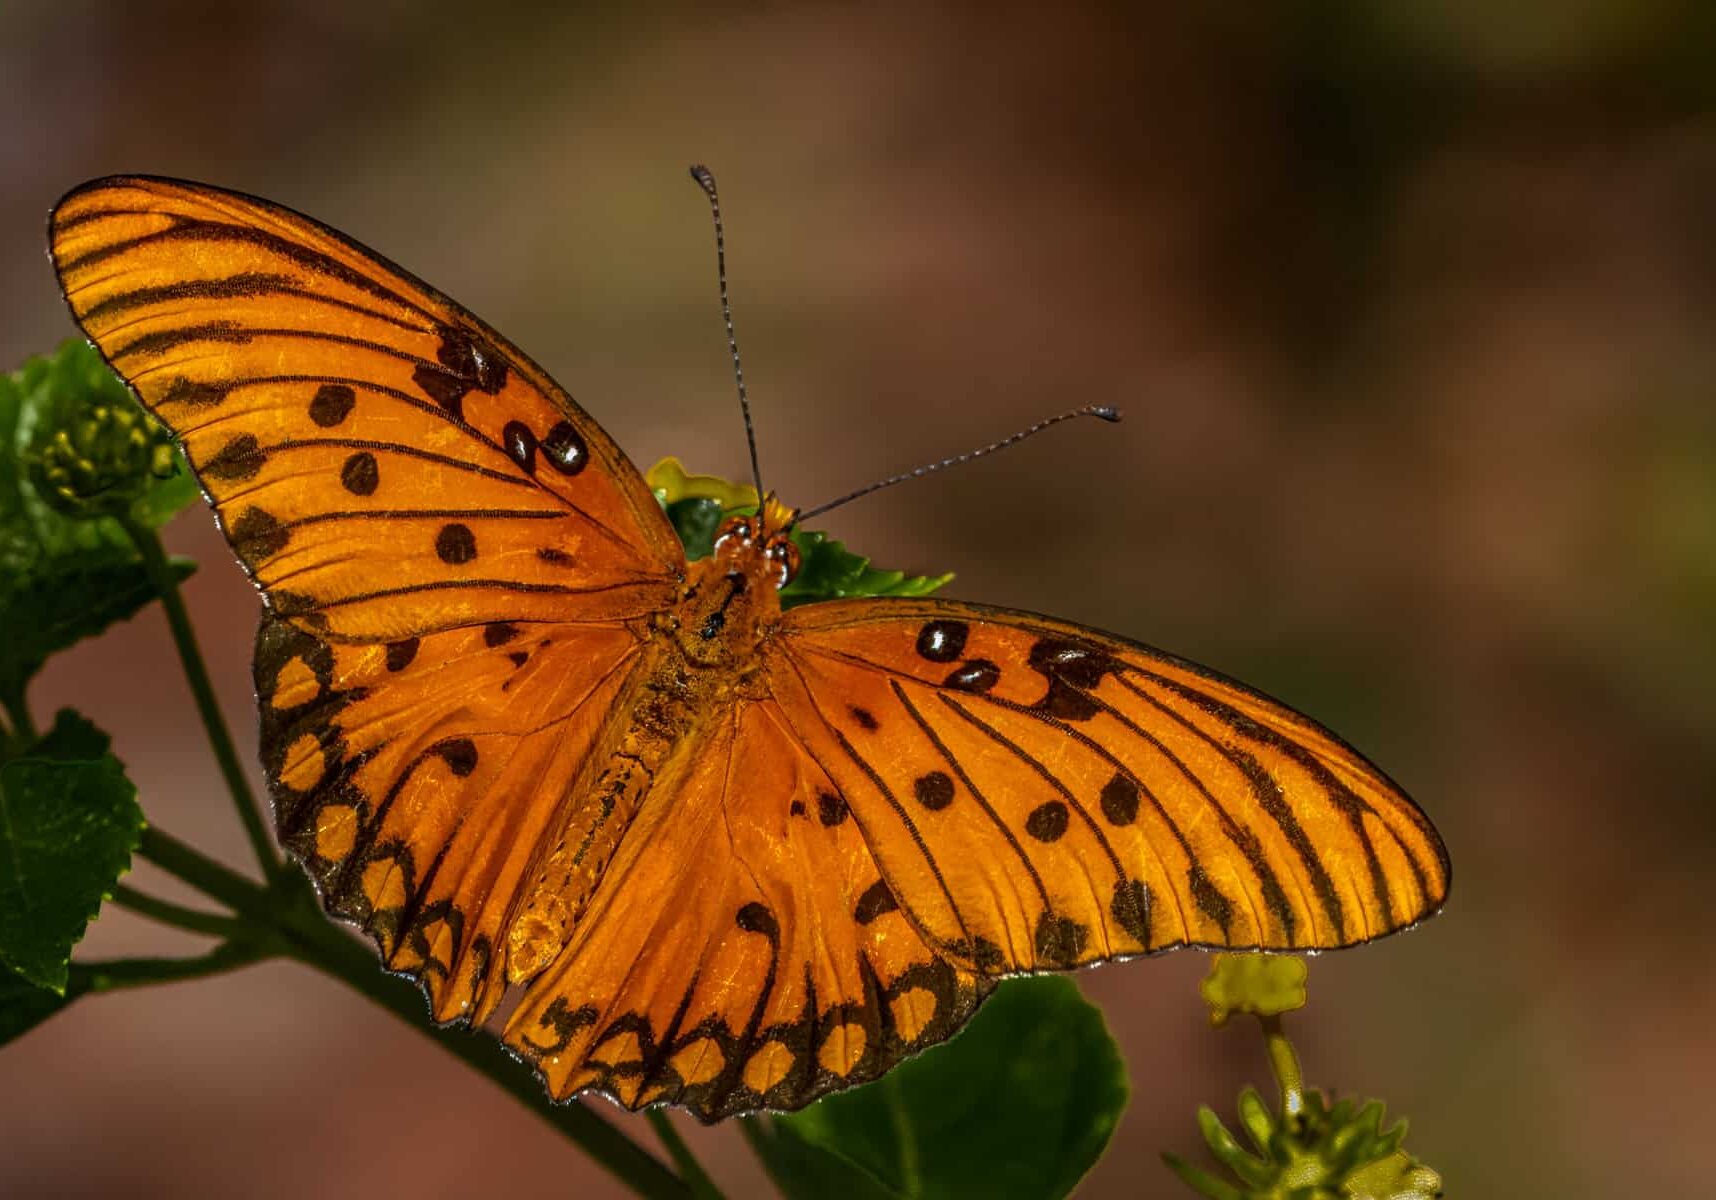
(342, 415)
(1040, 795)
(415, 780)
(742, 950)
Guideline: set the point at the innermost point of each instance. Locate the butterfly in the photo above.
(735, 857)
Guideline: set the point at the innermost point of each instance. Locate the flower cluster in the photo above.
(1311, 1149)
(102, 460)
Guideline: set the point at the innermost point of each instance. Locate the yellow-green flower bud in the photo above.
(101, 460)
(1264, 985)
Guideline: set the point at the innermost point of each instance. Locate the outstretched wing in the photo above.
(451, 551)
(742, 950)
(383, 462)
(1040, 795)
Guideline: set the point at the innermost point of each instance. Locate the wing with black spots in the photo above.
(1040, 795)
(741, 951)
(384, 463)
(416, 780)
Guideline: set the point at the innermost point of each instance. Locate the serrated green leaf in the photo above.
(68, 599)
(67, 830)
(73, 737)
(829, 571)
(62, 577)
(1020, 1104)
(23, 1005)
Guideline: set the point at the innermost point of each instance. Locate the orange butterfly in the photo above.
(739, 857)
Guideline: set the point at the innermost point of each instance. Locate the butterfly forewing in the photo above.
(383, 462)
(1041, 795)
(448, 545)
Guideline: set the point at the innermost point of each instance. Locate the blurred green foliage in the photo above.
(67, 569)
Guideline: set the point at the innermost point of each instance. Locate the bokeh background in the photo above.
(1410, 307)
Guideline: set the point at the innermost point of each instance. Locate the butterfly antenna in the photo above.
(706, 180)
(1100, 411)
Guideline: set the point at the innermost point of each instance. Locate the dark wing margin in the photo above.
(1041, 795)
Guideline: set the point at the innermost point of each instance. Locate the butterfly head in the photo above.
(760, 544)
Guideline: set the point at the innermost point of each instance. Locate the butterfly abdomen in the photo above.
(598, 809)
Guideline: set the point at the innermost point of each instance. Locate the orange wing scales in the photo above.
(340, 413)
(759, 977)
(1041, 796)
(414, 782)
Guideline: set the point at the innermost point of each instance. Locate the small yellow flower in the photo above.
(1264, 985)
(670, 483)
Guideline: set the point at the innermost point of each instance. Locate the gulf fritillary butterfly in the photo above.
(737, 857)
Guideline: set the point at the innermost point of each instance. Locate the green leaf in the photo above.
(23, 1005)
(67, 830)
(72, 738)
(829, 571)
(803, 1168)
(67, 600)
(66, 576)
(695, 521)
(1020, 1104)
(697, 504)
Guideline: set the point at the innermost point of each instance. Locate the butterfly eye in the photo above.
(736, 528)
(783, 556)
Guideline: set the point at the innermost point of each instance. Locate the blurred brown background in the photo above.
(1411, 310)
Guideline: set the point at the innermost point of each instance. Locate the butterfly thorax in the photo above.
(699, 658)
(731, 598)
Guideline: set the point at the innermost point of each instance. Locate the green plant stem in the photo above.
(690, 1170)
(23, 729)
(1284, 1062)
(202, 691)
(333, 953)
(304, 934)
(205, 874)
(307, 936)
(138, 972)
(177, 915)
(903, 1133)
